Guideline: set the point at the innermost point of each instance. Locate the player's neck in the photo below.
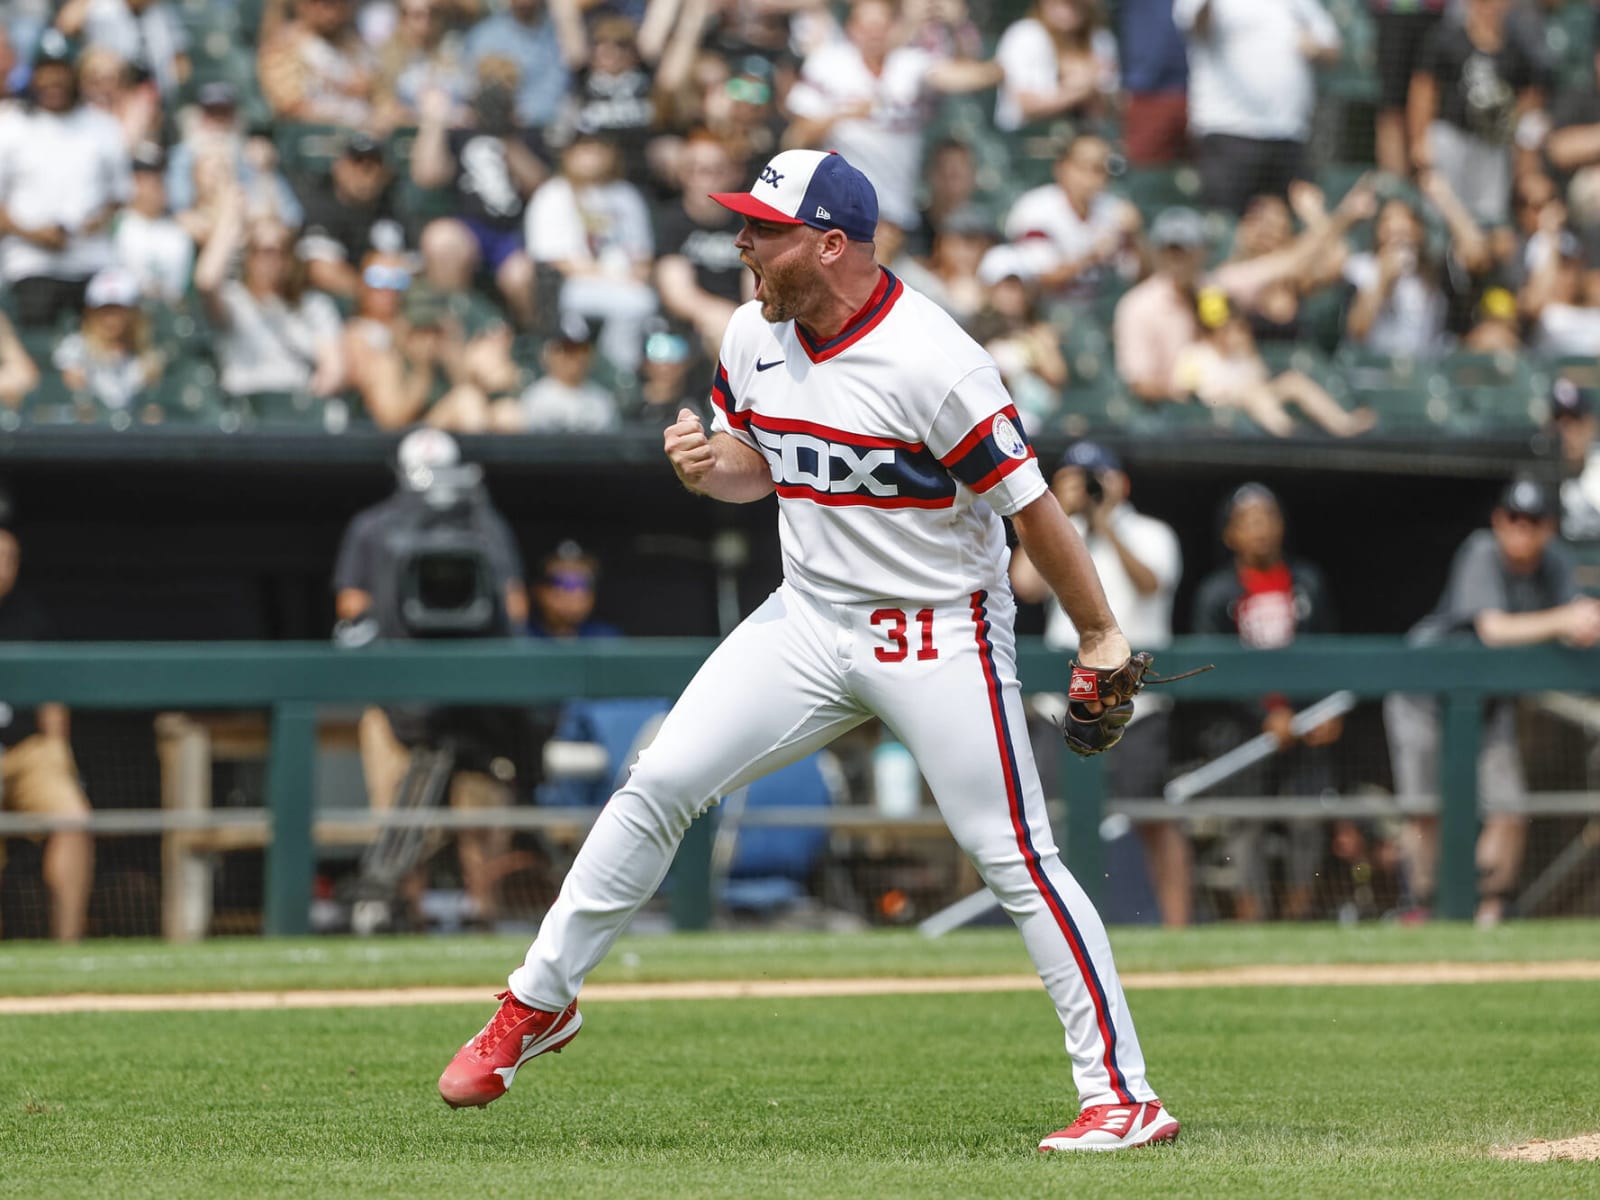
(840, 301)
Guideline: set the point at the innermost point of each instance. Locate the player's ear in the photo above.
(831, 246)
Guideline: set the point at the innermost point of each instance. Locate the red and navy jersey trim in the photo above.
(864, 321)
(978, 459)
(1030, 855)
(722, 397)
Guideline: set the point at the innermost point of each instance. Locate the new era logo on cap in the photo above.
(810, 187)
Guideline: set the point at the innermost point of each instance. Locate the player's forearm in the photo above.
(1059, 555)
(740, 475)
(1496, 628)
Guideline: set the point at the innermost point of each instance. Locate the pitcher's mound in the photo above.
(1583, 1148)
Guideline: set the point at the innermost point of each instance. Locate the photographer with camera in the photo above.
(434, 560)
(1139, 564)
(493, 169)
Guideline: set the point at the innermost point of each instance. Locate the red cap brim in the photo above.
(747, 205)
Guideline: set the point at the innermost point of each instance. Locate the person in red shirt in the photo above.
(1266, 599)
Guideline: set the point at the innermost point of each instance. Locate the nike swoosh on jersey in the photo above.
(767, 366)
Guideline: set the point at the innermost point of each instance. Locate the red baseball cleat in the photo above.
(1115, 1127)
(483, 1069)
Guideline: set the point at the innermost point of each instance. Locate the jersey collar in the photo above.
(862, 322)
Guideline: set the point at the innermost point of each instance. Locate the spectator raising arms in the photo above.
(316, 68)
(106, 83)
(526, 35)
(424, 55)
(494, 167)
(1252, 90)
(620, 74)
(1058, 61)
(275, 335)
(64, 171)
(870, 99)
(1399, 305)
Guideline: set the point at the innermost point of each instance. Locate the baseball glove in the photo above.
(1092, 733)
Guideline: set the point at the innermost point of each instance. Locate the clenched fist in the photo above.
(689, 450)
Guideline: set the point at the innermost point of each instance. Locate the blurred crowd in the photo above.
(492, 215)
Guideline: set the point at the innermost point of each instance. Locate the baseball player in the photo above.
(894, 450)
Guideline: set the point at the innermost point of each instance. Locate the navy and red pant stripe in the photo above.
(1030, 855)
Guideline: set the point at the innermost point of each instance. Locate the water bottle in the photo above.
(896, 782)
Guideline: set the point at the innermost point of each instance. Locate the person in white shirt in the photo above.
(593, 227)
(1139, 563)
(566, 400)
(149, 242)
(1077, 234)
(1252, 89)
(64, 172)
(146, 34)
(1059, 61)
(1573, 421)
(894, 453)
(871, 99)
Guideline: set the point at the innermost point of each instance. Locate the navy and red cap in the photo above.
(810, 187)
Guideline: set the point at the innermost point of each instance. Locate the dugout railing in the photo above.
(293, 680)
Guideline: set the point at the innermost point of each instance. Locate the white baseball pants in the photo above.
(794, 675)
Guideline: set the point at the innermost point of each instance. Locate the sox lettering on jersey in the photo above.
(809, 461)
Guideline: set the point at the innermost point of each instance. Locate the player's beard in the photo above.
(785, 290)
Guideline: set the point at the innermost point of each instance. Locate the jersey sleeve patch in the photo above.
(993, 449)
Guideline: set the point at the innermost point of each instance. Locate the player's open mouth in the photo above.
(754, 271)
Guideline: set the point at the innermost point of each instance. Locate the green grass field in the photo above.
(1282, 1091)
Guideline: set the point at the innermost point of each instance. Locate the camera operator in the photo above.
(436, 560)
(1139, 564)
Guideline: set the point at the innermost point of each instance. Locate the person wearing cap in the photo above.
(64, 172)
(566, 399)
(894, 452)
(1511, 584)
(1140, 563)
(37, 771)
(145, 34)
(1561, 298)
(317, 68)
(1012, 329)
(215, 134)
(349, 212)
(110, 362)
(588, 232)
(1573, 420)
(1087, 236)
(869, 98)
(149, 242)
(367, 607)
(1267, 598)
(698, 273)
(525, 33)
(564, 597)
(672, 378)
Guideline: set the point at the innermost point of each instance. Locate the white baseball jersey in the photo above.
(893, 446)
